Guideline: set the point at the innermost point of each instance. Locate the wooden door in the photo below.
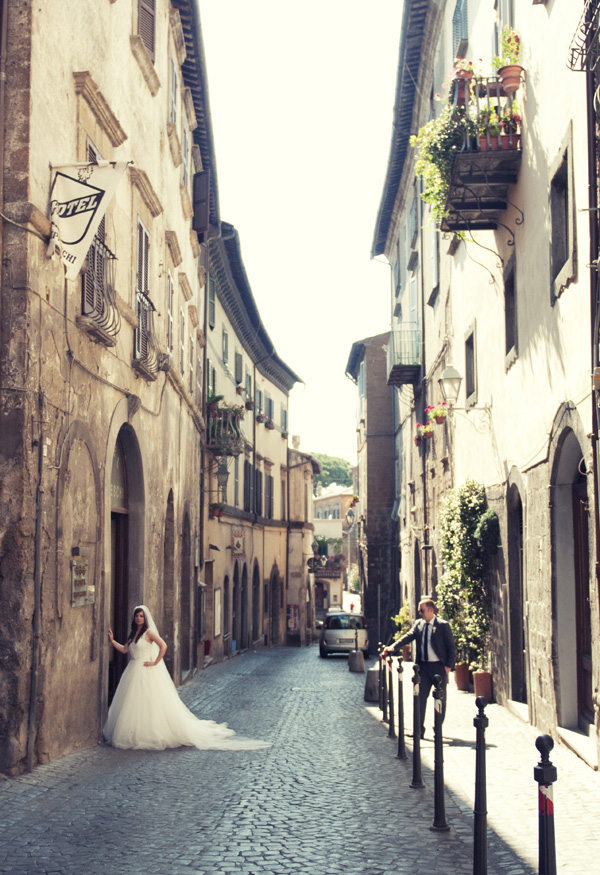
(582, 606)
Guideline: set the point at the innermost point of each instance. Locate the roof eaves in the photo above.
(414, 22)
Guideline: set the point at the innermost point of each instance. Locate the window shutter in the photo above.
(146, 16)
(212, 302)
(173, 112)
(181, 342)
(460, 31)
(191, 374)
(201, 201)
(185, 148)
(170, 302)
(239, 368)
(225, 346)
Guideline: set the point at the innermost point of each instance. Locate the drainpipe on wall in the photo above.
(37, 598)
(3, 26)
(594, 307)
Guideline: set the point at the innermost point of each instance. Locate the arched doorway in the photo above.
(235, 609)
(168, 624)
(126, 544)
(516, 612)
(255, 603)
(244, 609)
(185, 599)
(226, 619)
(274, 603)
(571, 586)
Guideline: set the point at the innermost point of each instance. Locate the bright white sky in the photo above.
(301, 98)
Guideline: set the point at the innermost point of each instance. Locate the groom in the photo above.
(436, 653)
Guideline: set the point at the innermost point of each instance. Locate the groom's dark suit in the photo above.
(441, 641)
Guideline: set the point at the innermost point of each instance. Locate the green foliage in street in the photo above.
(470, 535)
(402, 620)
(333, 470)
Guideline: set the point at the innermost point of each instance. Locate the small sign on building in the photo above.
(82, 591)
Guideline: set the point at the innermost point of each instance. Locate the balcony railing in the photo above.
(488, 160)
(224, 436)
(404, 355)
(146, 353)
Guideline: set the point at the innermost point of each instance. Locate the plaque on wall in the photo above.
(82, 592)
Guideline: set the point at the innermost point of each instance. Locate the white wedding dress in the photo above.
(147, 713)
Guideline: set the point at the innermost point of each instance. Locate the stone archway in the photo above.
(244, 609)
(571, 584)
(235, 609)
(185, 598)
(255, 603)
(516, 599)
(168, 628)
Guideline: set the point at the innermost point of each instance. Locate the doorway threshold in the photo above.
(583, 745)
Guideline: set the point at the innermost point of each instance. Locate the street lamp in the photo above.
(350, 517)
(450, 384)
(222, 478)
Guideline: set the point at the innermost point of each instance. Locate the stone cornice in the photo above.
(87, 88)
(140, 53)
(174, 248)
(144, 186)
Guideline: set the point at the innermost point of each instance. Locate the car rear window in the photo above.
(344, 621)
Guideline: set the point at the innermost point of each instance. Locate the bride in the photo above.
(146, 712)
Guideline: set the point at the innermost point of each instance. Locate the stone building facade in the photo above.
(107, 470)
(376, 512)
(502, 295)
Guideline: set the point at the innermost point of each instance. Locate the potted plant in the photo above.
(470, 534)
(239, 390)
(216, 510)
(425, 429)
(437, 144)
(437, 412)
(403, 624)
(269, 424)
(508, 62)
(261, 417)
(249, 403)
(459, 79)
(212, 401)
(418, 440)
(284, 435)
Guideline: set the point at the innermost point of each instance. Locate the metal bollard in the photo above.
(439, 817)
(384, 701)
(545, 774)
(401, 755)
(480, 808)
(380, 658)
(416, 779)
(391, 730)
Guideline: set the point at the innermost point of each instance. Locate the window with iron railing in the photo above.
(99, 300)
(145, 348)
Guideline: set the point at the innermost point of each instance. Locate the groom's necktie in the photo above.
(425, 647)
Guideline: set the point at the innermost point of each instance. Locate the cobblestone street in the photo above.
(328, 798)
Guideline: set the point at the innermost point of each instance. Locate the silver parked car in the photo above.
(339, 633)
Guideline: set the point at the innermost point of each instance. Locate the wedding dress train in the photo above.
(147, 713)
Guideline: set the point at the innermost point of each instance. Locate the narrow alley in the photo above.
(329, 797)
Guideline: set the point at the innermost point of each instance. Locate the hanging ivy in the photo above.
(470, 535)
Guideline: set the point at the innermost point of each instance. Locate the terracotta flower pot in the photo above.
(497, 143)
(440, 419)
(461, 677)
(510, 77)
(462, 86)
(482, 683)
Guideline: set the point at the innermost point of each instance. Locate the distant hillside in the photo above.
(333, 470)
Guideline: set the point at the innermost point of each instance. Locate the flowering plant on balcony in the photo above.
(425, 429)
(437, 412)
(436, 145)
(249, 403)
(261, 417)
(269, 423)
(510, 49)
(216, 509)
(238, 410)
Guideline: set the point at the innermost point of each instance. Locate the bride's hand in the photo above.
(149, 663)
(110, 635)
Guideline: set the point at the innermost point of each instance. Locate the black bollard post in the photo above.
(380, 657)
(416, 779)
(439, 817)
(480, 809)
(545, 774)
(391, 730)
(384, 701)
(401, 755)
